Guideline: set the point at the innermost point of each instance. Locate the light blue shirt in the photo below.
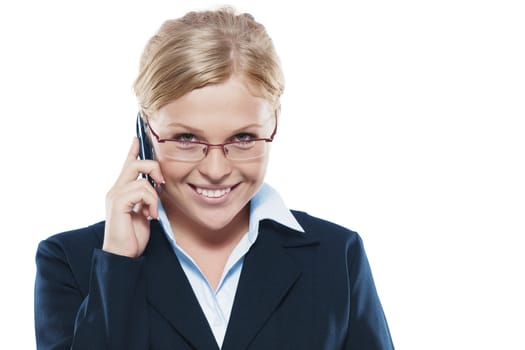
(217, 305)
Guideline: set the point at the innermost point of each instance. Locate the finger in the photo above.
(152, 168)
(145, 199)
(125, 198)
(130, 158)
(133, 167)
(149, 203)
(139, 208)
(134, 150)
(147, 214)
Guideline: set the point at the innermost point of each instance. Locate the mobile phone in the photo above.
(145, 149)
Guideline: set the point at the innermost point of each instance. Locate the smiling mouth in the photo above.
(209, 193)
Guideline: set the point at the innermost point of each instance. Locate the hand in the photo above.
(130, 203)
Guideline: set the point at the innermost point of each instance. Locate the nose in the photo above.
(215, 166)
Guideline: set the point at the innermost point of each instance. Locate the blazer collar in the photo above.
(170, 292)
(268, 273)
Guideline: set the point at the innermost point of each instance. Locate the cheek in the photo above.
(256, 171)
(173, 171)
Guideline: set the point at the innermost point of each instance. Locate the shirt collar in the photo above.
(268, 204)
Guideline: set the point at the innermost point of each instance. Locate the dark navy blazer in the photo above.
(296, 291)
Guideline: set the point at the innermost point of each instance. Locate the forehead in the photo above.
(230, 104)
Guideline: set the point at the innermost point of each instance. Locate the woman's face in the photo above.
(215, 191)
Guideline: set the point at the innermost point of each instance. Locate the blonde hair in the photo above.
(203, 48)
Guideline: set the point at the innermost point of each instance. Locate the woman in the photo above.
(209, 257)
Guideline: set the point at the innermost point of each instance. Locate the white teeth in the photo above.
(212, 193)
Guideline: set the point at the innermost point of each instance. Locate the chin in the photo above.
(219, 220)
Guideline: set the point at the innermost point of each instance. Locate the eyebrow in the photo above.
(193, 129)
(197, 130)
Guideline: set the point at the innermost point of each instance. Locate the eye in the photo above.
(244, 137)
(187, 137)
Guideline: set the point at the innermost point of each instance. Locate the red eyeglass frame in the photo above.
(210, 145)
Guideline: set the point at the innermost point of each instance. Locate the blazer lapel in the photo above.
(170, 292)
(268, 274)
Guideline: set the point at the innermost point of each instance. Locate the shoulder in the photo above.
(74, 244)
(323, 229)
(68, 255)
(337, 245)
(331, 236)
(80, 237)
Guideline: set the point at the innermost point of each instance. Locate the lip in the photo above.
(212, 200)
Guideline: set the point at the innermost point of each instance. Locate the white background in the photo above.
(403, 120)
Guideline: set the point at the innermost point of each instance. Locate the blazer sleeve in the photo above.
(111, 315)
(368, 328)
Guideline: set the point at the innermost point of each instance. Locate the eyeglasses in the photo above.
(195, 151)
